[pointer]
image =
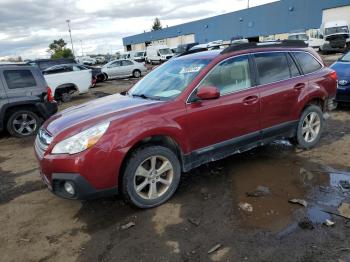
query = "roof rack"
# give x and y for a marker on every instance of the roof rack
(283, 43)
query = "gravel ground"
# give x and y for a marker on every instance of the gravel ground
(204, 214)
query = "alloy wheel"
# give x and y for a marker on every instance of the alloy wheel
(153, 177)
(24, 124)
(311, 127)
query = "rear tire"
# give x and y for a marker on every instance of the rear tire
(151, 176)
(65, 97)
(310, 127)
(23, 123)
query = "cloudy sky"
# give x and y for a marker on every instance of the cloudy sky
(29, 26)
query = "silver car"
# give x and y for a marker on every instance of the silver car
(123, 68)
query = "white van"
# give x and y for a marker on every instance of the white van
(158, 54)
(336, 36)
(312, 37)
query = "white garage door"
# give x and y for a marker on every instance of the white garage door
(336, 14)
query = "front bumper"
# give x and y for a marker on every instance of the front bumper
(83, 189)
(343, 94)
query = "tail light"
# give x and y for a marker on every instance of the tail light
(333, 75)
(50, 97)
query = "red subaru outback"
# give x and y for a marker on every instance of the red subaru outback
(193, 109)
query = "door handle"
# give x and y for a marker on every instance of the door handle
(250, 100)
(299, 86)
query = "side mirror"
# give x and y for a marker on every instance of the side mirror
(208, 92)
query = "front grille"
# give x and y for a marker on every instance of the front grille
(42, 142)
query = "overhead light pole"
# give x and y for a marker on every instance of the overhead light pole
(248, 4)
(70, 34)
(81, 44)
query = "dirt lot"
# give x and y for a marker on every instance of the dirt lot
(38, 226)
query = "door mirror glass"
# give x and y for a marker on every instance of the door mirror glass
(208, 92)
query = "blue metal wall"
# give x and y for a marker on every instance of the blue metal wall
(277, 17)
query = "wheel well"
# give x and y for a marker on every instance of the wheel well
(317, 102)
(68, 88)
(165, 141)
(15, 108)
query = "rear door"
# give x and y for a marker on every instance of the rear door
(20, 83)
(3, 95)
(127, 67)
(280, 85)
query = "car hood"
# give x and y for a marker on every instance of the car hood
(342, 69)
(96, 111)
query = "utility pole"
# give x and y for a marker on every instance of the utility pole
(248, 4)
(70, 34)
(81, 44)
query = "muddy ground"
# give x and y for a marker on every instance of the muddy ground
(38, 226)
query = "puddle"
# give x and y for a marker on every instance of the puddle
(286, 176)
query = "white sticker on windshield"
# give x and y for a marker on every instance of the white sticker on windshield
(192, 69)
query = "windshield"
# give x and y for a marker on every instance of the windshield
(169, 80)
(165, 51)
(137, 54)
(346, 58)
(302, 37)
(336, 30)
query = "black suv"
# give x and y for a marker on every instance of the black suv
(25, 99)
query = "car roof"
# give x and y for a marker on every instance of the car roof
(246, 48)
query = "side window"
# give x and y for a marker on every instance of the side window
(19, 79)
(307, 62)
(272, 67)
(76, 68)
(126, 63)
(294, 71)
(230, 76)
(115, 64)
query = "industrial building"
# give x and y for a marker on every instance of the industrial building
(270, 21)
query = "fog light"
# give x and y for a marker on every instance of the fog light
(69, 188)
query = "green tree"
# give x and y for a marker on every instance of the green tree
(58, 49)
(156, 24)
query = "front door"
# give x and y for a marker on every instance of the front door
(230, 121)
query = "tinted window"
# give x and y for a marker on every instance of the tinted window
(19, 79)
(272, 67)
(126, 63)
(294, 71)
(230, 76)
(307, 62)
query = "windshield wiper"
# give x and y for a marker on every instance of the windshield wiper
(145, 96)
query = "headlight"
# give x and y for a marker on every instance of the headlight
(81, 141)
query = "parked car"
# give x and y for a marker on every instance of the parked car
(342, 67)
(100, 59)
(46, 63)
(140, 56)
(180, 49)
(158, 54)
(25, 100)
(187, 112)
(123, 68)
(68, 79)
(86, 60)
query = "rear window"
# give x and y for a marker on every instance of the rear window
(272, 67)
(19, 79)
(307, 62)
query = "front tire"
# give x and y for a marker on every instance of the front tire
(151, 176)
(136, 74)
(310, 127)
(23, 123)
